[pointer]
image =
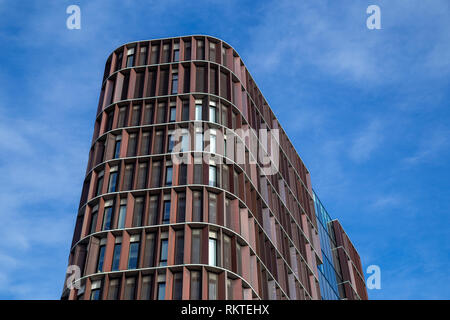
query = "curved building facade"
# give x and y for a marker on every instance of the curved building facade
(192, 189)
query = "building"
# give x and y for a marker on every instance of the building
(194, 191)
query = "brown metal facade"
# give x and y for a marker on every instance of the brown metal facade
(150, 228)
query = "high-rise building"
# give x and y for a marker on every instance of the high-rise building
(194, 191)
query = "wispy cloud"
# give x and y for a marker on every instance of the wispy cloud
(367, 141)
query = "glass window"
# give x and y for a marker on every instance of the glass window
(171, 143)
(161, 115)
(146, 290)
(212, 286)
(176, 52)
(226, 252)
(181, 214)
(108, 216)
(213, 176)
(130, 57)
(212, 51)
(174, 83)
(94, 215)
(119, 61)
(197, 207)
(184, 143)
(225, 116)
(128, 177)
(212, 249)
(198, 111)
(153, 210)
(132, 143)
(149, 253)
(133, 256)
(212, 114)
(148, 114)
(101, 258)
(161, 290)
(198, 173)
(142, 176)
(212, 208)
(200, 50)
(112, 186)
(114, 289)
(229, 289)
(212, 143)
(185, 111)
(196, 287)
(183, 174)
(166, 53)
(122, 216)
(156, 174)
(155, 54)
(166, 216)
(116, 257)
(163, 254)
(95, 294)
(196, 246)
(117, 147)
(187, 50)
(143, 56)
(130, 288)
(173, 113)
(158, 142)
(121, 122)
(198, 141)
(145, 143)
(138, 212)
(99, 183)
(177, 286)
(179, 247)
(168, 176)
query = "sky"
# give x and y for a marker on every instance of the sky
(367, 110)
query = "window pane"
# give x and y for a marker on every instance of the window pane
(114, 289)
(116, 257)
(196, 288)
(179, 247)
(133, 256)
(101, 258)
(168, 176)
(212, 176)
(212, 252)
(153, 210)
(163, 255)
(212, 208)
(130, 288)
(112, 182)
(107, 218)
(122, 216)
(212, 286)
(198, 112)
(196, 246)
(181, 214)
(146, 289)
(197, 206)
(161, 290)
(177, 286)
(166, 213)
(138, 211)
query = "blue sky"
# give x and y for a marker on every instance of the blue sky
(367, 110)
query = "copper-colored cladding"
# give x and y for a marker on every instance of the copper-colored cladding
(350, 264)
(271, 218)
